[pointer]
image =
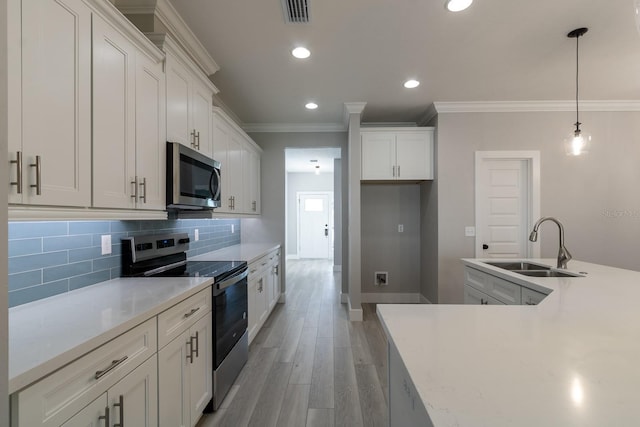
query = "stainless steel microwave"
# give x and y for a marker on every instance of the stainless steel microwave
(193, 179)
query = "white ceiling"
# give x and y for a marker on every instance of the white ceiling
(363, 50)
(300, 159)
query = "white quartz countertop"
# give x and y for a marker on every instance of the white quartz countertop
(248, 252)
(47, 334)
(572, 360)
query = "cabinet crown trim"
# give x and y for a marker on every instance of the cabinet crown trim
(534, 106)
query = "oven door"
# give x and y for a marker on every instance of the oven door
(230, 317)
(193, 180)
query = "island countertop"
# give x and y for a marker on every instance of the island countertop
(572, 360)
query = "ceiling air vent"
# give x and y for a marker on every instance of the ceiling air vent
(296, 11)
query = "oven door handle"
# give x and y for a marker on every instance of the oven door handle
(230, 281)
(164, 268)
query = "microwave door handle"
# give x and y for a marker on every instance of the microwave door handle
(215, 174)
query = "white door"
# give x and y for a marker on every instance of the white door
(506, 202)
(314, 227)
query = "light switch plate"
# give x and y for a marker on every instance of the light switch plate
(106, 244)
(469, 231)
(400, 228)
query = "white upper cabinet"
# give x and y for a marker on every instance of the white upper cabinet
(50, 117)
(128, 123)
(240, 166)
(189, 100)
(392, 154)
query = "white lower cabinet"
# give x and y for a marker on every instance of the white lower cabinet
(263, 290)
(58, 397)
(96, 414)
(405, 405)
(185, 368)
(485, 289)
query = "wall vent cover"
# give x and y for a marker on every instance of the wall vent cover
(296, 11)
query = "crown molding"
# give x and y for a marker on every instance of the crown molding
(294, 127)
(534, 106)
(172, 21)
(427, 116)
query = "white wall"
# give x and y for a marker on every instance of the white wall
(384, 207)
(596, 197)
(297, 182)
(4, 291)
(270, 226)
(337, 214)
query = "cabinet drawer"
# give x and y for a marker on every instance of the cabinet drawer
(477, 279)
(473, 296)
(181, 316)
(53, 400)
(531, 297)
(505, 291)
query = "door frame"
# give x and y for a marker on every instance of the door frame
(329, 195)
(532, 159)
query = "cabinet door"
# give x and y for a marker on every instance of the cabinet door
(135, 397)
(150, 134)
(114, 119)
(235, 172)
(90, 415)
(413, 156)
(178, 102)
(173, 382)
(261, 298)
(378, 156)
(251, 166)
(201, 368)
(201, 119)
(221, 136)
(56, 102)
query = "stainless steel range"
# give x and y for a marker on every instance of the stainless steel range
(164, 255)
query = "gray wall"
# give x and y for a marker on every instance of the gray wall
(595, 196)
(384, 206)
(337, 214)
(429, 230)
(297, 182)
(270, 226)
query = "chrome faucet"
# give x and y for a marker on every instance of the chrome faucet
(563, 254)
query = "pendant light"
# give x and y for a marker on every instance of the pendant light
(578, 142)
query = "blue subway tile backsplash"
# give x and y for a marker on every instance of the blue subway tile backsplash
(49, 258)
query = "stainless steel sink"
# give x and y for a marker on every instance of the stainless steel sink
(546, 273)
(518, 265)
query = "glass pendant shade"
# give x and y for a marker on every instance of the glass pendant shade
(577, 143)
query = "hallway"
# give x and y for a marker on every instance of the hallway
(310, 366)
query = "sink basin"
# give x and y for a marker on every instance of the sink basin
(518, 265)
(546, 273)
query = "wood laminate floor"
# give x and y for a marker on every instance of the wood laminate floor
(310, 366)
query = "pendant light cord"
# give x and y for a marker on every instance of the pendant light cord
(577, 65)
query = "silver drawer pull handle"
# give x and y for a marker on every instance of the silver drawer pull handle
(18, 181)
(105, 417)
(195, 351)
(191, 313)
(38, 184)
(143, 184)
(114, 363)
(135, 188)
(120, 405)
(190, 350)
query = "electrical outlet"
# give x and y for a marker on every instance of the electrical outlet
(381, 278)
(470, 231)
(106, 244)
(400, 228)
(196, 234)
(233, 228)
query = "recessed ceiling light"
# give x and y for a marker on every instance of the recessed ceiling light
(410, 84)
(458, 5)
(301, 52)
(311, 106)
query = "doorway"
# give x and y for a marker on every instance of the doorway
(315, 225)
(507, 203)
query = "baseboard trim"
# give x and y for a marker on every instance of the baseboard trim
(355, 314)
(337, 268)
(344, 298)
(283, 298)
(391, 298)
(423, 300)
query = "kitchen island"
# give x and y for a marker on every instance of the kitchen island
(569, 361)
